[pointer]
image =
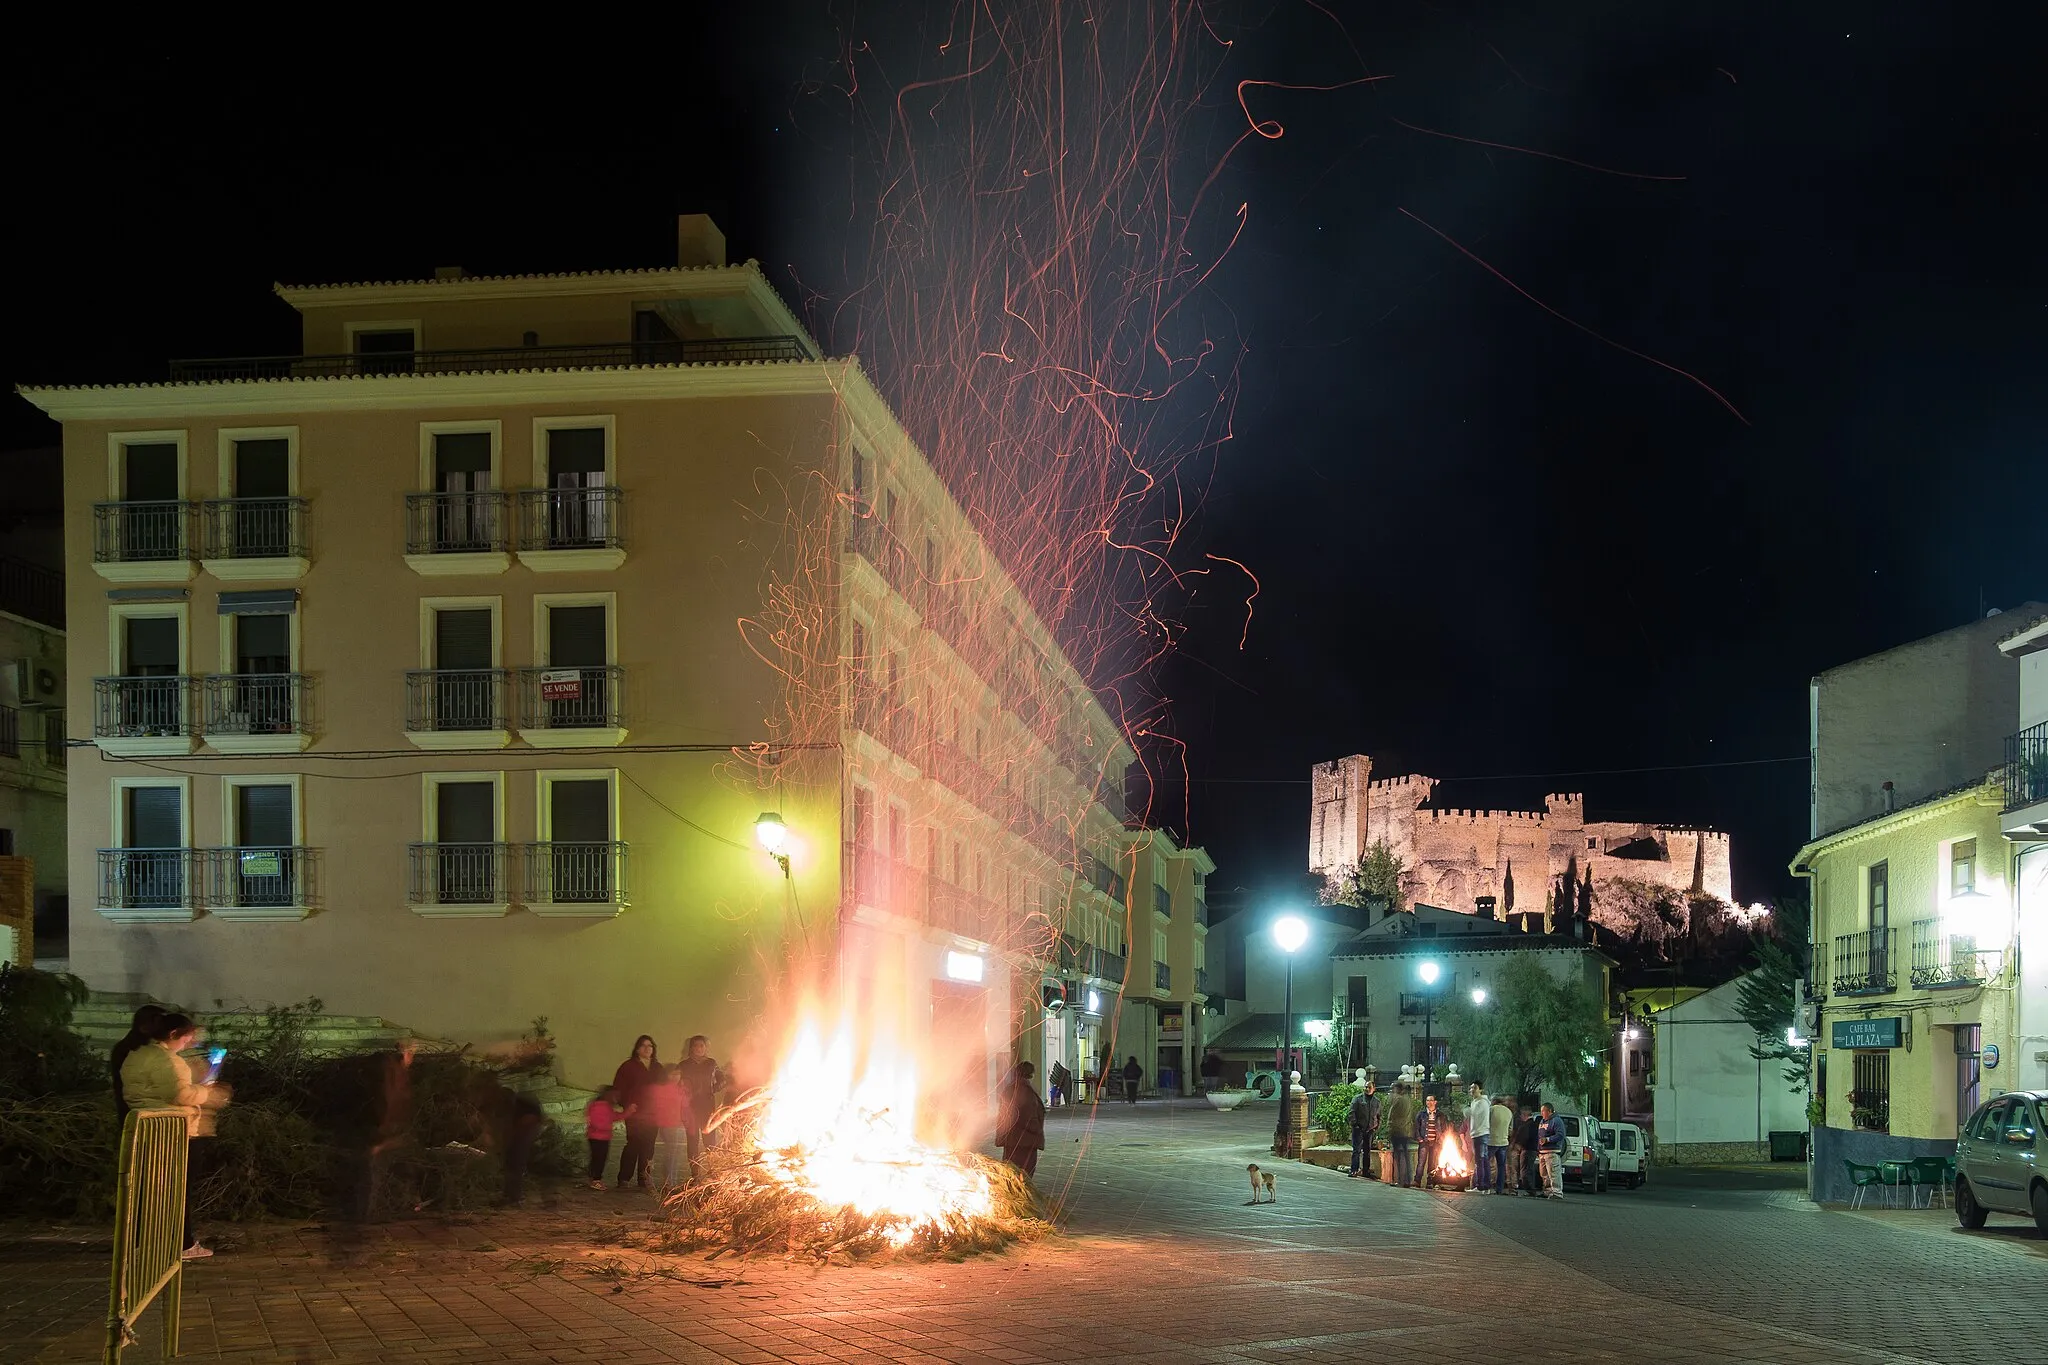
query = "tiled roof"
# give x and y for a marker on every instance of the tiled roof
(649, 271)
(381, 378)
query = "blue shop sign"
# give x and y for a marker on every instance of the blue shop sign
(1867, 1032)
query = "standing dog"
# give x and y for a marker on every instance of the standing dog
(1262, 1182)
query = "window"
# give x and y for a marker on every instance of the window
(1987, 1123)
(257, 516)
(1962, 867)
(460, 510)
(461, 861)
(576, 685)
(146, 519)
(1357, 999)
(459, 688)
(383, 347)
(148, 872)
(574, 502)
(1879, 897)
(147, 696)
(261, 865)
(1870, 1095)
(579, 861)
(254, 699)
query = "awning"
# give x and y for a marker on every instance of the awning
(267, 602)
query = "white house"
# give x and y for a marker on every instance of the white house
(1713, 1101)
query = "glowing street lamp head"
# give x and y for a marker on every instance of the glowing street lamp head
(1290, 932)
(1429, 972)
(771, 833)
(1479, 995)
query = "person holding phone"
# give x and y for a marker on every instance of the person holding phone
(157, 1076)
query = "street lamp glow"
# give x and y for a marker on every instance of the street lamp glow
(771, 833)
(1479, 995)
(1429, 972)
(1290, 932)
(1318, 1029)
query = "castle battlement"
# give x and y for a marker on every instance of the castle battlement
(1410, 779)
(1531, 817)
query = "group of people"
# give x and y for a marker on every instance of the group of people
(668, 1104)
(1511, 1147)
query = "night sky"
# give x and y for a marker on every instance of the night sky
(1491, 547)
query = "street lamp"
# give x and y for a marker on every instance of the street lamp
(1479, 995)
(1289, 932)
(773, 835)
(1428, 971)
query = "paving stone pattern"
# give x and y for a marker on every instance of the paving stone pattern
(1162, 1260)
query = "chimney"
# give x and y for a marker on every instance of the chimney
(449, 272)
(698, 240)
(1891, 798)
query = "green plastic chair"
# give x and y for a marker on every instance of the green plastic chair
(1938, 1174)
(1864, 1178)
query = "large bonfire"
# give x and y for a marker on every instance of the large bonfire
(825, 1162)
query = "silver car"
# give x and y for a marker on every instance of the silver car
(2002, 1160)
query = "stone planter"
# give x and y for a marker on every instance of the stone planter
(1227, 1100)
(1386, 1164)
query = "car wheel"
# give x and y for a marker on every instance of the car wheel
(1969, 1212)
(2041, 1207)
(1638, 1182)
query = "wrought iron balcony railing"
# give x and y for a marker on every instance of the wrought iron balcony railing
(455, 699)
(1162, 976)
(147, 878)
(129, 708)
(1162, 900)
(571, 518)
(455, 523)
(1944, 959)
(572, 698)
(1866, 963)
(255, 704)
(884, 882)
(254, 528)
(494, 359)
(32, 591)
(10, 732)
(254, 877)
(1202, 980)
(958, 909)
(458, 874)
(56, 749)
(141, 532)
(574, 873)
(2026, 767)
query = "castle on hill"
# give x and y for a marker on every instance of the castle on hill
(1456, 858)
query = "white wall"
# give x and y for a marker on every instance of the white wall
(2028, 1069)
(1709, 1089)
(1265, 968)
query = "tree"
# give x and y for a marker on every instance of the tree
(1768, 998)
(1377, 876)
(1533, 1030)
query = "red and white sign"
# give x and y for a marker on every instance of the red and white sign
(561, 684)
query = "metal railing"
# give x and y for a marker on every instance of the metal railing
(1162, 900)
(1866, 963)
(1201, 980)
(1941, 959)
(445, 699)
(1201, 911)
(1162, 976)
(884, 882)
(562, 873)
(1078, 955)
(31, 591)
(149, 1227)
(455, 523)
(254, 877)
(130, 708)
(572, 698)
(10, 732)
(570, 518)
(958, 909)
(56, 746)
(141, 532)
(458, 874)
(2026, 766)
(253, 528)
(254, 703)
(494, 359)
(146, 878)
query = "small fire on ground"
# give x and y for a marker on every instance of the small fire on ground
(1451, 1161)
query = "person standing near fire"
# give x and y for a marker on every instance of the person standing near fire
(1020, 1120)
(701, 1080)
(631, 1080)
(1479, 1125)
(1500, 1128)
(1430, 1126)
(1401, 1134)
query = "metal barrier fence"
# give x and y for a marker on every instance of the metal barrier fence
(149, 1227)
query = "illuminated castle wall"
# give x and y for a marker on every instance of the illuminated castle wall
(1455, 856)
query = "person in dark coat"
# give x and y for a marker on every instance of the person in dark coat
(1020, 1120)
(139, 1031)
(1430, 1127)
(1526, 1170)
(1134, 1075)
(1365, 1118)
(523, 1132)
(701, 1081)
(635, 1074)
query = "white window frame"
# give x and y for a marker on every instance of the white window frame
(229, 782)
(429, 430)
(118, 792)
(225, 637)
(544, 600)
(228, 437)
(545, 778)
(430, 605)
(117, 446)
(430, 807)
(119, 613)
(351, 330)
(543, 425)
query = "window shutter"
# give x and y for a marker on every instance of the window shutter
(152, 646)
(464, 813)
(263, 469)
(263, 816)
(579, 812)
(150, 473)
(576, 637)
(153, 817)
(263, 644)
(466, 453)
(575, 453)
(462, 639)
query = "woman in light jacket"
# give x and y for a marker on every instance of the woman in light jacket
(157, 1076)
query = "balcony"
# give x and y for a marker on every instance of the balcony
(147, 885)
(1201, 912)
(1201, 981)
(457, 708)
(31, 591)
(492, 359)
(255, 883)
(869, 538)
(575, 880)
(1078, 956)
(1162, 901)
(959, 911)
(572, 708)
(571, 530)
(143, 717)
(142, 542)
(457, 533)
(56, 744)
(458, 881)
(255, 713)
(1162, 977)
(1941, 960)
(1866, 963)
(254, 538)
(10, 732)
(2026, 783)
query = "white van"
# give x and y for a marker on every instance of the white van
(1585, 1159)
(1627, 1152)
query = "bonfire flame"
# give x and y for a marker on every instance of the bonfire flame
(1450, 1159)
(846, 1136)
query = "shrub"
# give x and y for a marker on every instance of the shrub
(57, 1156)
(267, 1161)
(39, 1054)
(1333, 1111)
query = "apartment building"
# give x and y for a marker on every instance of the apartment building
(33, 859)
(445, 670)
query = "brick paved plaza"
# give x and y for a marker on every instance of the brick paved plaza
(1161, 1261)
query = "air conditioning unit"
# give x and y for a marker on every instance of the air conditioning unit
(34, 683)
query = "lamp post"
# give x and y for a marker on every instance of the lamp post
(1289, 932)
(773, 836)
(1428, 971)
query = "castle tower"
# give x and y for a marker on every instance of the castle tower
(1336, 830)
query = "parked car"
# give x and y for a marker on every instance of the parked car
(1585, 1160)
(1628, 1153)
(2002, 1160)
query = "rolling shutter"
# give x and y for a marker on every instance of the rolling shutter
(576, 637)
(462, 639)
(154, 817)
(263, 816)
(464, 813)
(580, 812)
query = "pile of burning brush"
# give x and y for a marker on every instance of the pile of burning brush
(806, 1168)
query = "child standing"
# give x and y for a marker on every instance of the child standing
(598, 1117)
(662, 1103)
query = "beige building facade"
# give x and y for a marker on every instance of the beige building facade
(444, 672)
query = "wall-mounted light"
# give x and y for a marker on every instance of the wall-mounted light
(1094, 1003)
(773, 836)
(964, 966)
(1479, 995)
(1318, 1029)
